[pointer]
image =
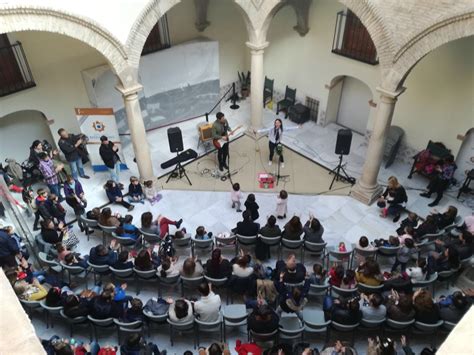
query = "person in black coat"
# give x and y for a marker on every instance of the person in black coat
(75, 306)
(101, 255)
(8, 249)
(453, 308)
(347, 312)
(293, 272)
(108, 152)
(50, 233)
(123, 262)
(247, 227)
(392, 199)
(104, 306)
(252, 206)
(70, 146)
(263, 319)
(217, 267)
(426, 311)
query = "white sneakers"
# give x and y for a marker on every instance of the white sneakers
(269, 163)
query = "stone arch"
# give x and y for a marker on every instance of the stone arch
(143, 25)
(373, 21)
(445, 31)
(77, 27)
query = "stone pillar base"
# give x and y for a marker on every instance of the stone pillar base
(366, 195)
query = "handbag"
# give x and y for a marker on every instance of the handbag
(70, 239)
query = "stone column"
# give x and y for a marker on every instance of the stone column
(256, 83)
(366, 189)
(137, 130)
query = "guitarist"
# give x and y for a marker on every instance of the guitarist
(220, 129)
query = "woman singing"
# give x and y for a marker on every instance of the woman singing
(275, 134)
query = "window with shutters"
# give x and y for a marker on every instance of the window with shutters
(351, 39)
(159, 37)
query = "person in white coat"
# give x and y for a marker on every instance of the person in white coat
(282, 204)
(275, 135)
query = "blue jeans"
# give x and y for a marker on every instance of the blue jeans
(76, 166)
(115, 172)
(55, 189)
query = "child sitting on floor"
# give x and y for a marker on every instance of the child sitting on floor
(135, 191)
(151, 193)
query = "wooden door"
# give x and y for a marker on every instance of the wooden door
(357, 42)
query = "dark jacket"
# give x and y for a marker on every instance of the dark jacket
(223, 270)
(429, 317)
(55, 210)
(108, 155)
(77, 190)
(101, 309)
(108, 259)
(311, 235)
(81, 310)
(135, 190)
(453, 314)
(247, 228)
(260, 326)
(290, 234)
(113, 193)
(399, 195)
(291, 276)
(342, 315)
(123, 266)
(425, 228)
(8, 245)
(406, 223)
(51, 235)
(270, 232)
(252, 207)
(68, 147)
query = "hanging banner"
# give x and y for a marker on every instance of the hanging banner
(95, 123)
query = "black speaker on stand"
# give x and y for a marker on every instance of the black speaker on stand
(175, 140)
(343, 147)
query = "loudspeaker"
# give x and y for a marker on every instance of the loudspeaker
(343, 142)
(175, 139)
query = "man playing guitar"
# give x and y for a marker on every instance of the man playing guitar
(220, 130)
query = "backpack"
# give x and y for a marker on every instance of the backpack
(157, 307)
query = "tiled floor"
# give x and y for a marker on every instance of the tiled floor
(343, 218)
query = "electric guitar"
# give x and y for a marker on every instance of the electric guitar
(218, 143)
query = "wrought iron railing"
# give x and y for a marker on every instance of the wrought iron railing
(15, 73)
(159, 37)
(351, 39)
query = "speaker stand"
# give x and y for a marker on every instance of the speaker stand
(178, 172)
(340, 174)
(278, 176)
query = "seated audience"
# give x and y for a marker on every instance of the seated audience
(181, 311)
(103, 306)
(318, 277)
(369, 273)
(346, 312)
(294, 272)
(8, 250)
(114, 194)
(263, 319)
(404, 254)
(72, 259)
(362, 244)
(446, 218)
(372, 307)
(135, 344)
(102, 255)
(409, 234)
(453, 307)
(145, 261)
(128, 229)
(192, 268)
(400, 307)
(202, 234)
(426, 311)
(313, 231)
(208, 306)
(93, 214)
(241, 266)
(410, 221)
(76, 306)
(447, 260)
(271, 229)
(293, 229)
(336, 274)
(429, 226)
(134, 312)
(33, 291)
(463, 244)
(168, 267)
(123, 262)
(247, 227)
(294, 300)
(217, 267)
(107, 219)
(349, 280)
(148, 225)
(418, 272)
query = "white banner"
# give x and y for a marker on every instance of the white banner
(94, 123)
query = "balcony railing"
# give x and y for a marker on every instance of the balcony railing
(351, 39)
(15, 73)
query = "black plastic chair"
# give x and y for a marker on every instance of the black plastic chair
(268, 91)
(287, 102)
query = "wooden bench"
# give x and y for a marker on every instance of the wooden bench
(438, 152)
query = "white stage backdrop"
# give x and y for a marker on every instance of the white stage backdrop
(94, 123)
